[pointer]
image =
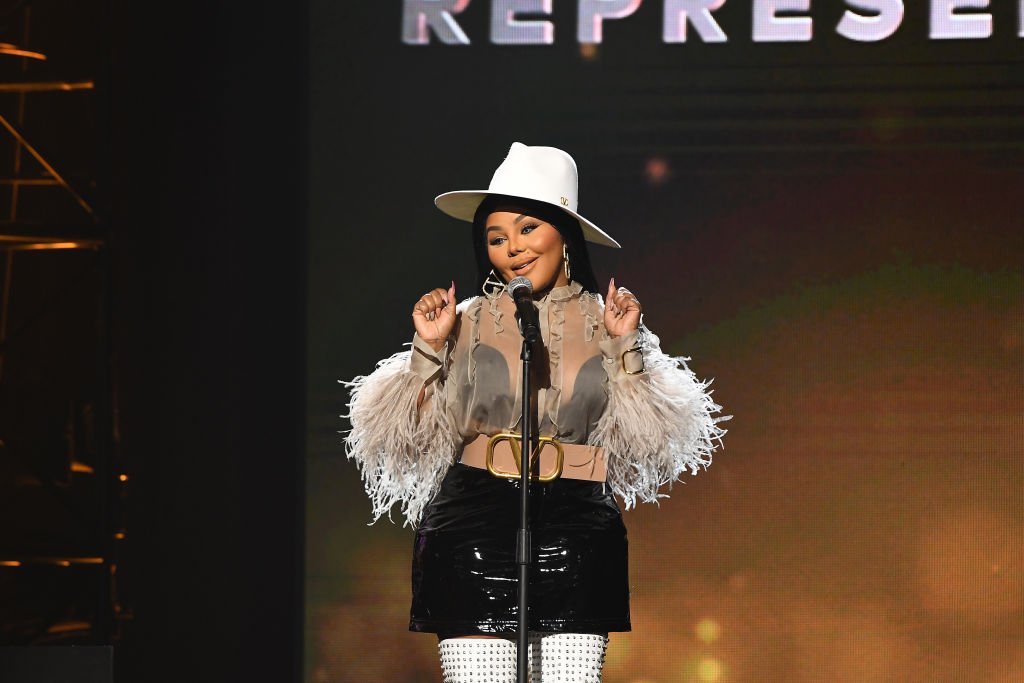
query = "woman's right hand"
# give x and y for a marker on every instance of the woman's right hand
(434, 316)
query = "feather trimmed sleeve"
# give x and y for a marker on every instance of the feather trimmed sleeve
(402, 444)
(660, 419)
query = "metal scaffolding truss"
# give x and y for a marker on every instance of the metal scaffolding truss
(57, 226)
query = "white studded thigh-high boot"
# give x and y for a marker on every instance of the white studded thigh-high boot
(477, 660)
(572, 658)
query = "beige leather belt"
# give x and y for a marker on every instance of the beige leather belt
(500, 455)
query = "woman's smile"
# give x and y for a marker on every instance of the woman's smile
(524, 267)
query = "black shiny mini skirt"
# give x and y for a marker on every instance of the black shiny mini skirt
(465, 580)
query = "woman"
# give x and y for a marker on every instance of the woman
(626, 417)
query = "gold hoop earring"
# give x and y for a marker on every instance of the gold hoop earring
(565, 263)
(492, 286)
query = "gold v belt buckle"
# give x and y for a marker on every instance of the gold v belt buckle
(513, 440)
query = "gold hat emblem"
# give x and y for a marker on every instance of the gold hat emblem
(565, 201)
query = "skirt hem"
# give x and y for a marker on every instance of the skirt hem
(510, 628)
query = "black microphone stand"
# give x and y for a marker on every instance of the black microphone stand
(523, 550)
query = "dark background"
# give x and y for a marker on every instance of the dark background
(205, 164)
(182, 334)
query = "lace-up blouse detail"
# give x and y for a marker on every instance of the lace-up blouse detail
(653, 424)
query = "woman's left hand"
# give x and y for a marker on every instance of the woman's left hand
(621, 310)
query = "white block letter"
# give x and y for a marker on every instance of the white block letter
(505, 30)
(769, 28)
(887, 18)
(593, 12)
(418, 16)
(948, 25)
(699, 14)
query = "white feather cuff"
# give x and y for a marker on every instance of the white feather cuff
(658, 424)
(402, 451)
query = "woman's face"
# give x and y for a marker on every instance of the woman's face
(518, 244)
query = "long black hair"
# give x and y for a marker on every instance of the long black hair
(567, 226)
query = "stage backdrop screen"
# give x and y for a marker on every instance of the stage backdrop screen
(819, 204)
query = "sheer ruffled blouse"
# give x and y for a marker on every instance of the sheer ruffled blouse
(647, 410)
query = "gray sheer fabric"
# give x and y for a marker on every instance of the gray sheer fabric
(483, 374)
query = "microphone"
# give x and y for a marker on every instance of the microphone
(521, 291)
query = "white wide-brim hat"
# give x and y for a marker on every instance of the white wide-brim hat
(543, 174)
